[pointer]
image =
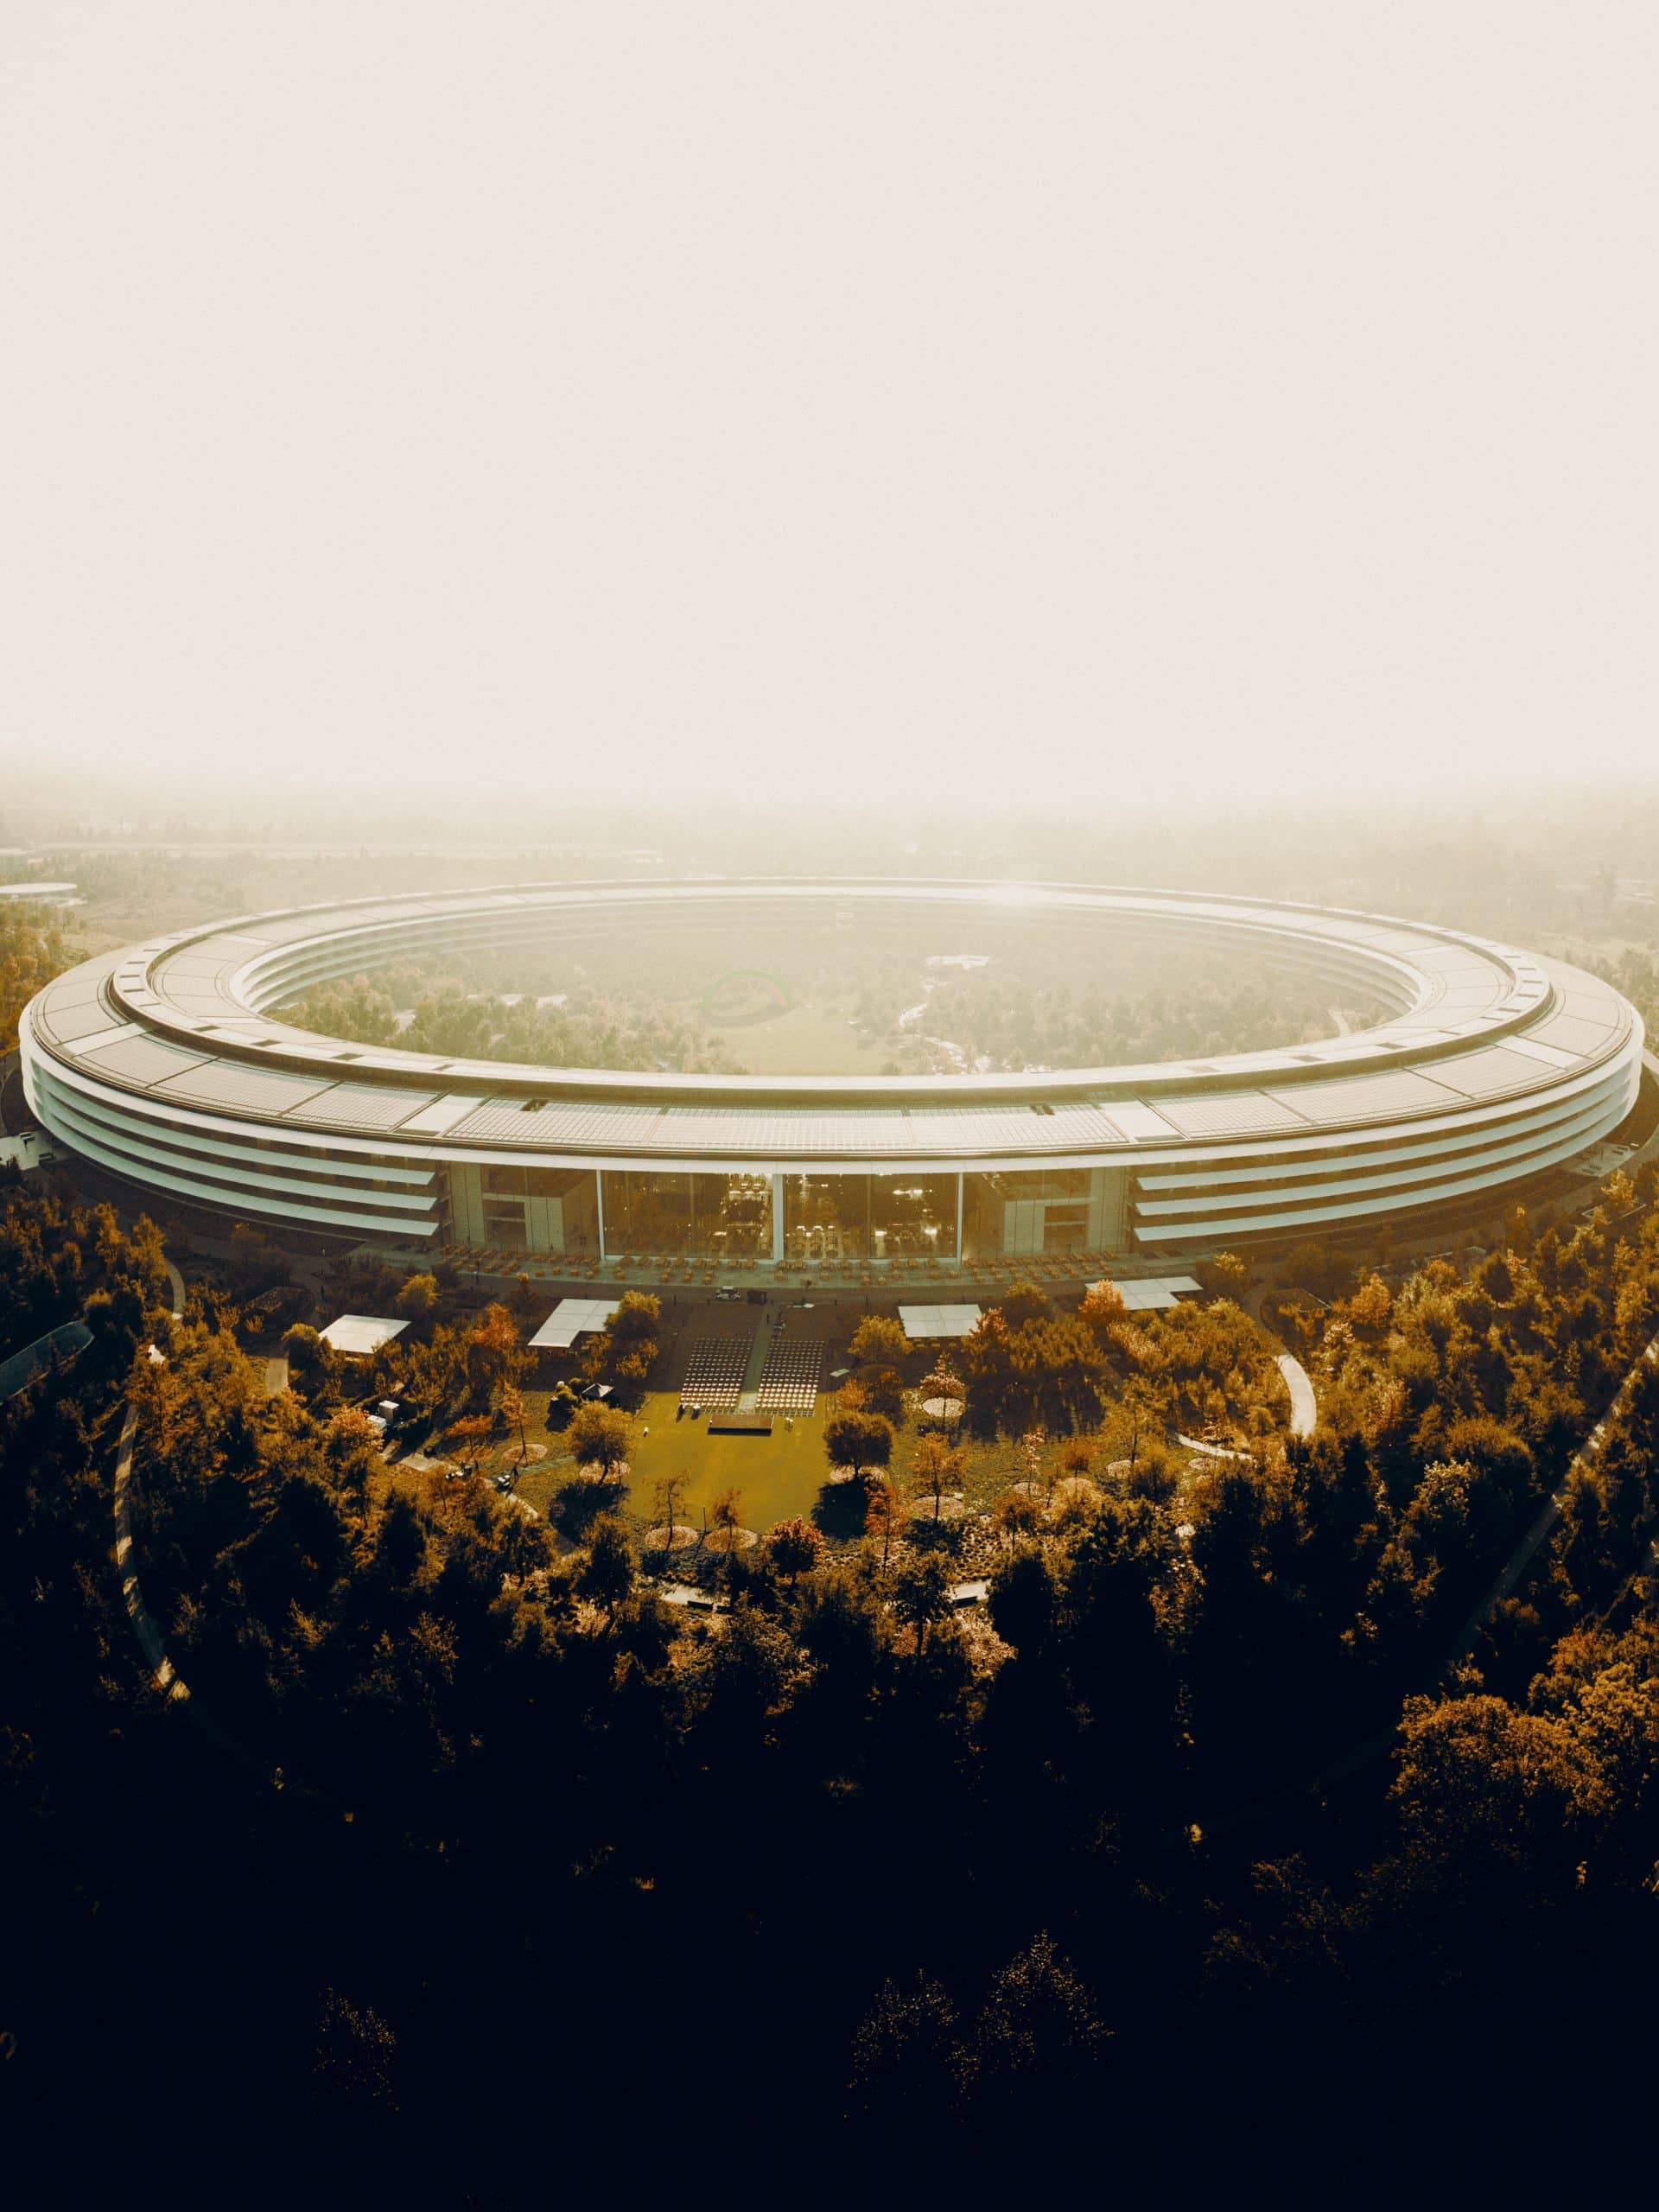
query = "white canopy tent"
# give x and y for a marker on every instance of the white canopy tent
(1152, 1293)
(359, 1336)
(570, 1318)
(922, 1323)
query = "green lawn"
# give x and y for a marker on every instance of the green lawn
(806, 1041)
(776, 1476)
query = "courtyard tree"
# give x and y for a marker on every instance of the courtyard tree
(1060, 1367)
(858, 1442)
(941, 1385)
(257, 1264)
(667, 1493)
(492, 1354)
(794, 1547)
(1372, 1306)
(884, 1515)
(884, 1392)
(904, 2055)
(1023, 1302)
(988, 1359)
(1225, 1276)
(512, 1413)
(1016, 1513)
(606, 1576)
(600, 1437)
(306, 1351)
(935, 1467)
(434, 1374)
(417, 1301)
(921, 1593)
(1102, 1310)
(727, 1522)
(879, 1341)
(624, 1351)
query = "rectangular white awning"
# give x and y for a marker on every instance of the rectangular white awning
(925, 1322)
(1152, 1293)
(570, 1318)
(359, 1336)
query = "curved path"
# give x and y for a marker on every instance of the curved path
(1508, 1575)
(1304, 1406)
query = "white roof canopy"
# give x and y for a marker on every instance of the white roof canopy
(1152, 1293)
(570, 1318)
(927, 1321)
(360, 1335)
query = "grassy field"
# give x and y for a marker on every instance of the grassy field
(806, 1041)
(776, 1476)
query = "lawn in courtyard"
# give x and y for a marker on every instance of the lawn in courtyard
(776, 1477)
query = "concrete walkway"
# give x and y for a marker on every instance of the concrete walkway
(748, 1398)
(1304, 1406)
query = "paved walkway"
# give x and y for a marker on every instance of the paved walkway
(1304, 1406)
(748, 1398)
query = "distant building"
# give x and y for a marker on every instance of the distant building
(40, 894)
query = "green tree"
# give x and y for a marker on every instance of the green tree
(600, 1437)
(1023, 1303)
(858, 1440)
(606, 1576)
(879, 1341)
(666, 1493)
(794, 1547)
(1225, 1276)
(727, 1522)
(934, 1467)
(884, 1514)
(624, 1351)
(1037, 2038)
(493, 1353)
(904, 2056)
(417, 1300)
(921, 1593)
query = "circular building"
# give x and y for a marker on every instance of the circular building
(1488, 1067)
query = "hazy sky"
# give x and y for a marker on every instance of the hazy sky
(741, 396)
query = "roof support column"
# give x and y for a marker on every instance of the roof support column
(777, 1220)
(961, 1180)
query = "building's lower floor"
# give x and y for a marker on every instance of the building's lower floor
(790, 1220)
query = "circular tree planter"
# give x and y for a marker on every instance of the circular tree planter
(679, 1538)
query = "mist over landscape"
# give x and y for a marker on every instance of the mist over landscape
(828, 1112)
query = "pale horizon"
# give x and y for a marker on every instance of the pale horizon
(1080, 408)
